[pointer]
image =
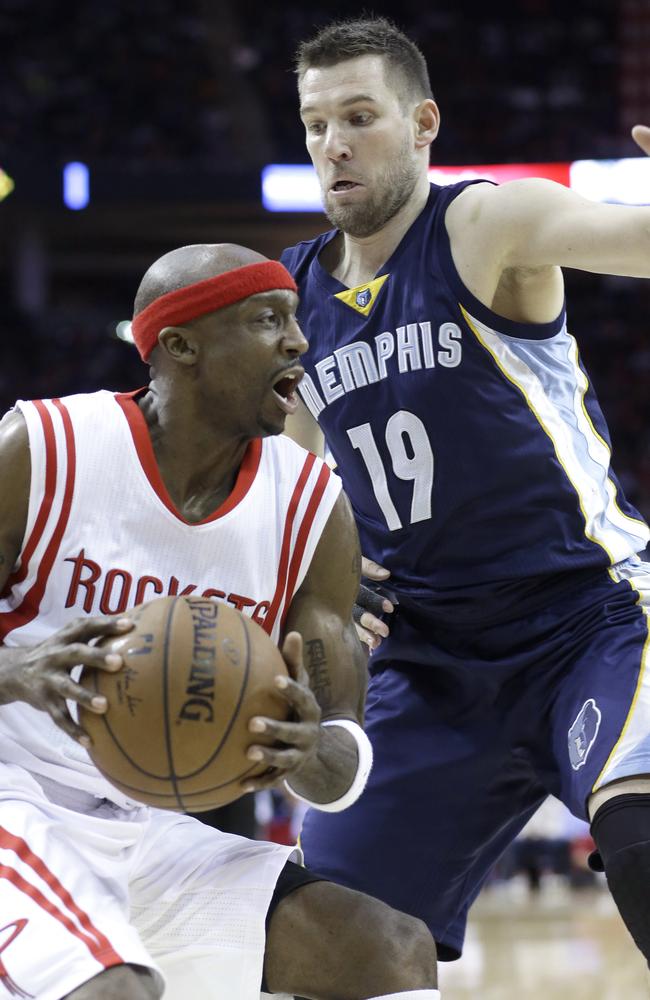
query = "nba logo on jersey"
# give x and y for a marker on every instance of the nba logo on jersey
(363, 298)
(583, 732)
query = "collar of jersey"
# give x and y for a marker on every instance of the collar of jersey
(144, 450)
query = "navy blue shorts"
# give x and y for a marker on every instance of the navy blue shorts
(473, 724)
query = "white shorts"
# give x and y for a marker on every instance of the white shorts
(86, 885)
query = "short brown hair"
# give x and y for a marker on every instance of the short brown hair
(348, 39)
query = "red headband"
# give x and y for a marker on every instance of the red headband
(204, 297)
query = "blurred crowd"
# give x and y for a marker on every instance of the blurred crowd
(150, 84)
(505, 74)
(110, 81)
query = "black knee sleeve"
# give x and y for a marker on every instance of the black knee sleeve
(621, 830)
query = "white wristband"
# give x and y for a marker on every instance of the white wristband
(364, 766)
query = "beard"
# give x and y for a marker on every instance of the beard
(391, 191)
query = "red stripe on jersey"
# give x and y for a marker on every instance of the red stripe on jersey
(303, 535)
(97, 943)
(46, 502)
(269, 620)
(28, 608)
(144, 449)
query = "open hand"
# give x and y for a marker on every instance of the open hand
(40, 675)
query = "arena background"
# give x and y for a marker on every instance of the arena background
(175, 107)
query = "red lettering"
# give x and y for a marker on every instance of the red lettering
(105, 603)
(211, 592)
(88, 582)
(260, 612)
(143, 583)
(240, 602)
(172, 590)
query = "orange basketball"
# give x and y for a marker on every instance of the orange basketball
(175, 734)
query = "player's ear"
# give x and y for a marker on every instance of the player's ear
(179, 343)
(427, 122)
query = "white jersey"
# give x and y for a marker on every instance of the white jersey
(103, 535)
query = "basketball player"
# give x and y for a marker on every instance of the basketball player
(185, 486)
(477, 461)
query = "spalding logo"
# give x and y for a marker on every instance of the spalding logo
(583, 733)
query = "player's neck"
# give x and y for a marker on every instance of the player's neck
(198, 466)
(355, 260)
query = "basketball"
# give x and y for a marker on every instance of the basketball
(175, 733)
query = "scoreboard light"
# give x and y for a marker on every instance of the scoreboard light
(295, 187)
(76, 185)
(623, 182)
(290, 188)
(6, 184)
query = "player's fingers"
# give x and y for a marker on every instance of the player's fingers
(373, 570)
(293, 733)
(76, 653)
(369, 600)
(370, 639)
(66, 688)
(641, 135)
(283, 760)
(64, 721)
(292, 655)
(300, 697)
(268, 779)
(85, 629)
(374, 625)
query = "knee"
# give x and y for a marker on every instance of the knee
(406, 944)
(118, 982)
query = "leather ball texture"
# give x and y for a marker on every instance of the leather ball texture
(175, 734)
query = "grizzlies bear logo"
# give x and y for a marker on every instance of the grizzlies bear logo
(583, 732)
(364, 297)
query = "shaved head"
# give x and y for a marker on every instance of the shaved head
(187, 265)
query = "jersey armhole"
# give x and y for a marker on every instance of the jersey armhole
(468, 302)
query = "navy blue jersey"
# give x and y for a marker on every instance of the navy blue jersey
(472, 448)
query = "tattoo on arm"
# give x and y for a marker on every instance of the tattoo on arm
(319, 676)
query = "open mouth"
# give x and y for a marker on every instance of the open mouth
(344, 186)
(284, 390)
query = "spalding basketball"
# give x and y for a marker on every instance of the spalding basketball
(175, 734)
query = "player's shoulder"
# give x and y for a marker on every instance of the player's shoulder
(282, 447)
(285, 458)
(297, 258)
(14, 436)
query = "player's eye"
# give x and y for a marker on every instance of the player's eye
(315, 128)
(269, 319)
(361, 118)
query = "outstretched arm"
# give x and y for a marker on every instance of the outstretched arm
(328, 666)
(530, 227)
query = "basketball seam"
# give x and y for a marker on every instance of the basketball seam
(233, 718)
(165, 678)
(188, 795)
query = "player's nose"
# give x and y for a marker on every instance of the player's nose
(336, 146)
(295, 341)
